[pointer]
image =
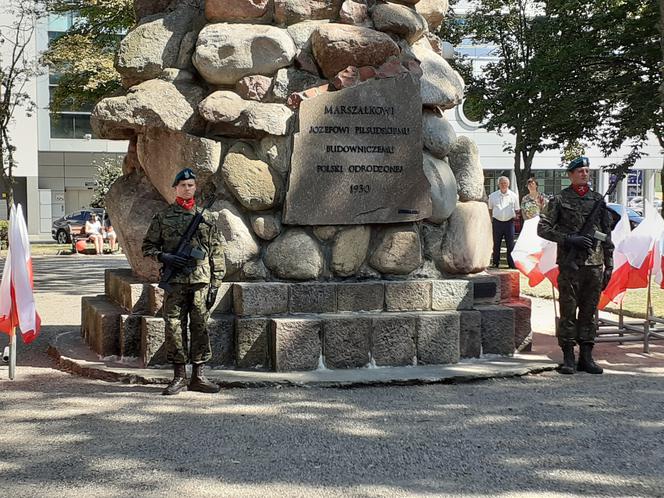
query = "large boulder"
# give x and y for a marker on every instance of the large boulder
(302, 31)
(238, 10)
(399, 20)
(240, 244)
(152, 104)
(266, 226)
(350, 250)
(144, 8)
(355, 12)
(464, 248)
(397, 250)
(433, 11)
(443, 188)
(440, 84)
(162, 153)
(155, 44)
(295, 255)
(225, 53)
(292, 80)
(250, 180)
(131, 202)
(464, 158)
(438, 134)
(337, 46)
(295, 11)
(233, 116)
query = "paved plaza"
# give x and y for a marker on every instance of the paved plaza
(536, 435)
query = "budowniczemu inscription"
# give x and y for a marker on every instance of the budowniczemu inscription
(357, 157)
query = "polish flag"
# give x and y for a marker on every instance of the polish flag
(17, 304)
(636, 254)
(534, 256)
(658, 267)
(614, 292)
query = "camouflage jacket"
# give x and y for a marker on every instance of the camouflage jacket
(164, 233)
(565, 214)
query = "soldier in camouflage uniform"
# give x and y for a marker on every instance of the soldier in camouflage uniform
(194, 292)
(579, 288)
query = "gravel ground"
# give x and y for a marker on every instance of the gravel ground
(543, 435)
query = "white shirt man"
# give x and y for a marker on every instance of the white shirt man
(504, 208)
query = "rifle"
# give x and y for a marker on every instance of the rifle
(185, 249)
(588, 225)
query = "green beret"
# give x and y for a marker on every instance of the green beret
(579, 162)
(185, 174)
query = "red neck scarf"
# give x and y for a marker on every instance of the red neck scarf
(186, 204)
(581, 189)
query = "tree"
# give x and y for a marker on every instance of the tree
(83, 57)
(109, 169)
(18, 65)
(516, 93)
(570, 71)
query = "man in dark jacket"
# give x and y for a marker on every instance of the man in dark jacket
(582, 278)
(194, 284)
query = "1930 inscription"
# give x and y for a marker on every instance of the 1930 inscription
(355, 162)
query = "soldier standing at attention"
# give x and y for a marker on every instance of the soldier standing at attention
(194, 285)
(579, 287)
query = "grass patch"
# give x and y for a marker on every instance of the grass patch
(634, 304)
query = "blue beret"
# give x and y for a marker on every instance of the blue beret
(185, 174)
(579, 162)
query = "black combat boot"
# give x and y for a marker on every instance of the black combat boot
(200, 383)
(586, 362)
(179, 381)
(568, 359)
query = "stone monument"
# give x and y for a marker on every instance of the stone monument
(353, 216)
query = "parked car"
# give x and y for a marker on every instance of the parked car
(634, 217)
(62, 228)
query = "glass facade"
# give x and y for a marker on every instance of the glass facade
(67, 123)
(549, 181)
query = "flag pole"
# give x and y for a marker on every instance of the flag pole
(555, 309)
(646, 324)
(12, 354)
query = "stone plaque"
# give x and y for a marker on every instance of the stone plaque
(357, 157)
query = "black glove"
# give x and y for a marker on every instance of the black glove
(578, 241)
(211, 297)
(606, 276)
(172, 260)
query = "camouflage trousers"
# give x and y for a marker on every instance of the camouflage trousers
(185, 315)
(578, 290)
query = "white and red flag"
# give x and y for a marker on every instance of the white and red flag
(658, 262)
(534, 256)
(636, 254)
(17, 303)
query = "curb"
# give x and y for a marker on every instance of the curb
(72, 356)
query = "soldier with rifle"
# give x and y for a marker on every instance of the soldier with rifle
(578, 220)
(185, 240)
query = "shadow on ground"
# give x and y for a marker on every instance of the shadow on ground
(545, 434)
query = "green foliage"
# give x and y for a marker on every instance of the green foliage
(4, 234)
(569, 71)
(83, 58)
(109, 169)
(18, 68)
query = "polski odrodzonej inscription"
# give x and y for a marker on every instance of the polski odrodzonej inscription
(357, 157)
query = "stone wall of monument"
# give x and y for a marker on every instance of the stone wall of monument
(316, 123)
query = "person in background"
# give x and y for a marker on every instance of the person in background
(503, 208)
(93, 232)
(533, 202)
(110, 235)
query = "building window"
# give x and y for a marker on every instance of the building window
(70, 125)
